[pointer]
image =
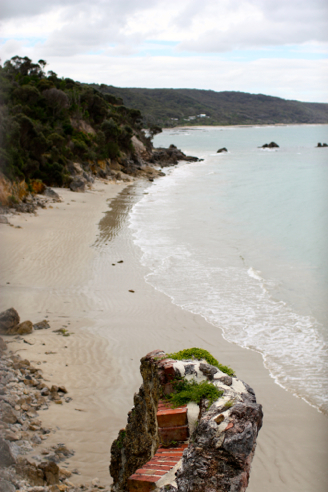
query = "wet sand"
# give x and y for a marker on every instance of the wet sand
(60, 265)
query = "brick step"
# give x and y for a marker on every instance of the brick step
(147, 478)
(172, 423)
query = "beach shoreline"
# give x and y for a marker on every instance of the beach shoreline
(63, 264)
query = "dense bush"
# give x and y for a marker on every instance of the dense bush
(39, 117)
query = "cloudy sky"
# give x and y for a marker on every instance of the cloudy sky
(275, 47)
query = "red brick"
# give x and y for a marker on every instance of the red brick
(136, 485)
(169, 434)
(172, 417)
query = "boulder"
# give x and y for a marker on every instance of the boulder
(322, 145)
(78, 184)
(52, 194)
(24, 328)
(30, 471)
(42, 325)
(222, 150)
(8, 414)
(50, 472)
(6, 457)
(3, 220)
(8, 319)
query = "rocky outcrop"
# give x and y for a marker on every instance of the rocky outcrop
(322, 145)
(138, 442)
(218, 455)
(170, 156)
(222, 150)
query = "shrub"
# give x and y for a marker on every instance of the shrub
(187, 391)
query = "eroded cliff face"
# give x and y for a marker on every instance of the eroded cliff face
(222, 441)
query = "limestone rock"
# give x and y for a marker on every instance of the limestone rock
(24, 328)
(8, 319)
(6, 456)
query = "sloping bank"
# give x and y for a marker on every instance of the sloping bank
(213, 452)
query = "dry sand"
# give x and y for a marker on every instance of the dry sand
(59, 265)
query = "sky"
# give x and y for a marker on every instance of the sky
(274, 47)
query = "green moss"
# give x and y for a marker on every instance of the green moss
(200, 354)
(229, 404)
(187, 391)
(120, 439)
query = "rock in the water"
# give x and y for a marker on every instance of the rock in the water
(6, 457)
(78, 184)
(24, 328)
(322, 145)
(8, 319)
(222, 150)
(42, 325)
(271, 145)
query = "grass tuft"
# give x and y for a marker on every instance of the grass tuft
(199, 354)
(187, 391)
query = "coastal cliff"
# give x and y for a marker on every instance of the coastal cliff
(58, 132)
(215, 448)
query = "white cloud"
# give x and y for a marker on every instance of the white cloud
(66, 32)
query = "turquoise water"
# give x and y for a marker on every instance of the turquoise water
(241, 238)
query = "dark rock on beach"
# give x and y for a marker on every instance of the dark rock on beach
(52, 194)
(24, 328)
(78, 184)
(8, 320)
(42, 325)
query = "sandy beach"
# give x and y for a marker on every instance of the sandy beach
(62, 265)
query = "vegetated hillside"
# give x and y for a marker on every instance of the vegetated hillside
(47, 122)
(173, 107)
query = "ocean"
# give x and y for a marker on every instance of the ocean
(241, 239)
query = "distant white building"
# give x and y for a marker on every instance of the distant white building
(203, 115)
